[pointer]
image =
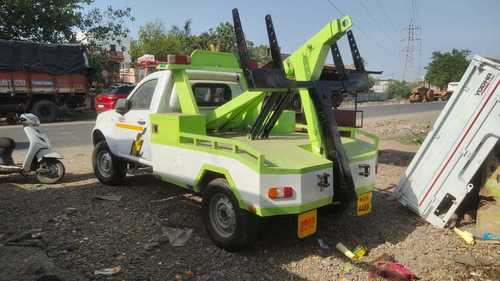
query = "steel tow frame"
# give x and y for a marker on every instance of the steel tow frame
(279, 86)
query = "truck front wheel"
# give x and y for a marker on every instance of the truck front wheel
(228, 226)
(46, 110)
(108, 168)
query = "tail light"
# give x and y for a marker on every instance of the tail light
(282, 192)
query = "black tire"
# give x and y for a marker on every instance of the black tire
(115, 169)
(50, 171)
(46, 110)
(245, 226)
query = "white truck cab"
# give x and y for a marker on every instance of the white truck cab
(156, 94)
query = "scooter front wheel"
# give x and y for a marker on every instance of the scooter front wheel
(50, 171)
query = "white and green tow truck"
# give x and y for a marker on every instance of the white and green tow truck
(217, 127)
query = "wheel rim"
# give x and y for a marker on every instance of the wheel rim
(222, 215)
(105, 163)
(50, 171)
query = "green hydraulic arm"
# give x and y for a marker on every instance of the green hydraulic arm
(306, 64)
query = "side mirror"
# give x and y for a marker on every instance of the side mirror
(122, 106)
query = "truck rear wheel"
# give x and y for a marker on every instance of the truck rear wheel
(46, 110)
(108, 168)
(228, 226)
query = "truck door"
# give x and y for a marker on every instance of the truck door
(133, 127)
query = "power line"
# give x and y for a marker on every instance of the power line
(413, 43)
(386, 16)
(373, 39)
(370, 15)
(387, 50)
(336, 8)
(414, 9)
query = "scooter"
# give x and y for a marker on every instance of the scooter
(40, 158)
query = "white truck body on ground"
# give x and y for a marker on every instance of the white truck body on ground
(439, 176)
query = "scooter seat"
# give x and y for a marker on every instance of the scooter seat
(7, 145)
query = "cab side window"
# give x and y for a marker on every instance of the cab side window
(211, 94)
(142, 97)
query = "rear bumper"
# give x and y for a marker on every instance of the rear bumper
(292, 210)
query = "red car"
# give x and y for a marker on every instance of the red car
(106, 100)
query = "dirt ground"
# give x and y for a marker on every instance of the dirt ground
(63, 232)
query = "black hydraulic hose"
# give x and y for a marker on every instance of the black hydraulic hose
(263, 115)
(284, 102)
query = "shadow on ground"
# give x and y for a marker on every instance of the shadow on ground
(395, 157)
(81, 233)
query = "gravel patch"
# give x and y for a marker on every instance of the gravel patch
(78, 234)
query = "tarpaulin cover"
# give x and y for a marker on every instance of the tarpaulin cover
(47, 58)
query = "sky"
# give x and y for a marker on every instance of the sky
(378, 25)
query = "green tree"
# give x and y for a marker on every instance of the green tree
(183, 36)
(224, 37)
(447, 67)
(156, 40)
(399, 89)
(59, 21)
(371, 81)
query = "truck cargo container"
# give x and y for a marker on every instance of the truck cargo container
(42, 78)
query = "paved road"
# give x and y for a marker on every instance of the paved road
(64, 134)
(375, 111)
(71, 134)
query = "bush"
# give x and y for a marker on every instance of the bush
(399, 89)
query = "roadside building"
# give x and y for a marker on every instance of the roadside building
(117, 52)
(381, 86)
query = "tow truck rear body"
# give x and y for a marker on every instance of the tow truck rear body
(217, 127)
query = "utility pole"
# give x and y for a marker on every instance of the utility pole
(412, 44)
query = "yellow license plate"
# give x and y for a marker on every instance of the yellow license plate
(364, 205)
(307, 223)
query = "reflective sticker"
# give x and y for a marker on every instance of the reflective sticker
(130, 127)
(307, 224)
(136, 148)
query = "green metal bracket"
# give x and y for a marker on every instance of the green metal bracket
(306, 64)
(184, 92)
(230, 110)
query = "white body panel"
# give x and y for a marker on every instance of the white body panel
(461, 138)
(183, 165)
(360, 181)
(39, 145)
